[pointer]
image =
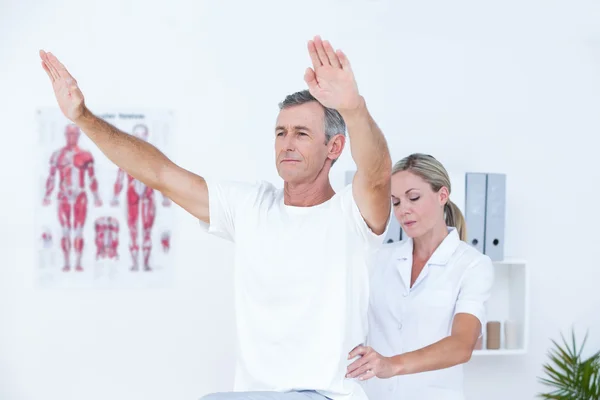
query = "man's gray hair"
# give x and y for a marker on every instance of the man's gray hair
(334, 123)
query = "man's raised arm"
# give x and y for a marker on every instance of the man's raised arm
(135, 156)
(372, 181)
(331, 81)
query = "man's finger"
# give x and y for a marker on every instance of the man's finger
(314, 57)
(55, 61)
(60, 68)
(321, 51)
(311, 79)
(48, 65)
(333, 58)
(343, 60)
(48, 72)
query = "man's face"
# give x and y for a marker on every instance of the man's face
(300, 144)
(72, 135)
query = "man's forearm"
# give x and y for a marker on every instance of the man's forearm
(445, 353)
(135, 156)
(368, 146)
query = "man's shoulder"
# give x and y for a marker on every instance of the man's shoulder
(239, 191)
(261, 190)
(256, 186)
(345, 197)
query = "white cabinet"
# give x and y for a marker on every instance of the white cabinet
(509, 301)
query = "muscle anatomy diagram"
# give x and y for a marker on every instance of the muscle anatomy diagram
(96, 225)
(75, 169)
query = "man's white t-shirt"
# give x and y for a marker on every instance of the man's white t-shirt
(301, 286)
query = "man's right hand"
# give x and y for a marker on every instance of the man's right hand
(136, 157)
(69, 96)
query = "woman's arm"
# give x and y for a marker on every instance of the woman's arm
(450, 351)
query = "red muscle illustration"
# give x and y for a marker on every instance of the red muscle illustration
(73, 165)
(165, 240)
(140, 205)
(107, 238)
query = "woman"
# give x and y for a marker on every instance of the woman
(428, 294)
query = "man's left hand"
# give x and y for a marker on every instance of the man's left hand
(331, 80)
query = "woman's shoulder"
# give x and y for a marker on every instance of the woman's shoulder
(469, 256)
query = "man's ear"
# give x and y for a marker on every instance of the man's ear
(336, 146)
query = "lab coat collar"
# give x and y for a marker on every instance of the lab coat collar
(440, 256)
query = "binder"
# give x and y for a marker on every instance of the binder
(475, 209)
(495, 216)
(394, 233)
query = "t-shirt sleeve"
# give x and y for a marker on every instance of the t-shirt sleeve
(359, 223)
(476, 289)
(227, 200)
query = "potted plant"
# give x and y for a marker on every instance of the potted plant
(569, 374)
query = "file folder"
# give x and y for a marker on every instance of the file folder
(475, 208)
(495, 216)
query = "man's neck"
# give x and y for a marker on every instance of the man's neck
(307, 194)
(424, 246)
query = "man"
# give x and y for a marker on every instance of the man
(72, 164)
(301, 279)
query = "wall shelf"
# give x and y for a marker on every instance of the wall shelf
(509, 301)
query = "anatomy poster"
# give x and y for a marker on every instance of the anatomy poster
(96, 226)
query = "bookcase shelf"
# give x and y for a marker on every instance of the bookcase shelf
(509, 301)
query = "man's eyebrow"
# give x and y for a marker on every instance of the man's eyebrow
(297, 128)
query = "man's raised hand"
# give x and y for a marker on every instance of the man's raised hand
(331, 80)
(68, 95)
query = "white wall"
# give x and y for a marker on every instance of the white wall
(513, 85)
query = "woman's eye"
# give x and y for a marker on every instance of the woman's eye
(415, 198)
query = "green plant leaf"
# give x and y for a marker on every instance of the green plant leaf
(568, 375)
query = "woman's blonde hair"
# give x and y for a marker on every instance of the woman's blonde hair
(434, 173)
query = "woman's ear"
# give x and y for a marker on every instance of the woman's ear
(444, 195)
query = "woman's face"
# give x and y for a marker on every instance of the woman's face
(416, 206)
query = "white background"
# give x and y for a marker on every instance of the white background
(510, 86)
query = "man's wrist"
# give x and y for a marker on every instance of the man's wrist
(355, 111)
(84, 118)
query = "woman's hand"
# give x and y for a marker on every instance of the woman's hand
(370, 364)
